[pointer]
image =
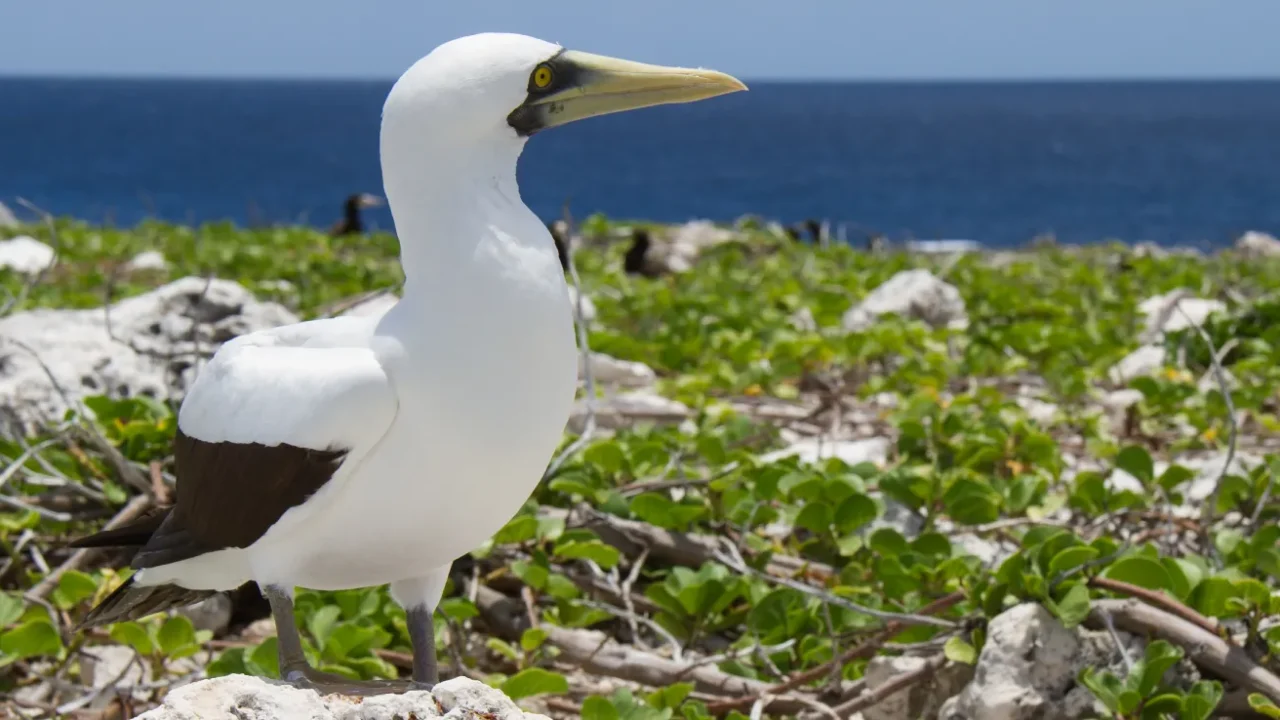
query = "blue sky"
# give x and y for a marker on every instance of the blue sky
(759, 39)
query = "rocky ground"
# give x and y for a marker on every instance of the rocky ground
(800, 481)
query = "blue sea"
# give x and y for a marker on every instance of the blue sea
(1179, 163)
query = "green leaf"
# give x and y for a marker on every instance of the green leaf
(264, 660)
(177, 637)
(1159, 657)
(888, 542)
(854, 512)
(1070, 558)
(30, 639)
(321, 623)
(606, 556)
(518, 530)
(73, 588)
(534, 681)
(1073, 608)
(532, 639)
(11, 606)
(1211, 596)
(133, 635)
(816, 516)
(1137, 462)
(456, 609)
(607, 456)
(958, 650)
(230, 662)
(1262, 704)
(598, 708)
(1141, 571)
(1165, 705)
(1200, 702)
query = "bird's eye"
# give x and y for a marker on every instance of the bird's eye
(543, 76)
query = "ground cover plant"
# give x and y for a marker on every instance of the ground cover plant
(683, 566)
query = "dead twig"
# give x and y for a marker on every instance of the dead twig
(1158, 599)
(898, 683)
(588, 376)
(1204, 648)
(132, 510)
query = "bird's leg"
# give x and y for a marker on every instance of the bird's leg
(419, 598)
(422, 634)
(294, 668)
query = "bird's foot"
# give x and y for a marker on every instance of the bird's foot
(308, 678)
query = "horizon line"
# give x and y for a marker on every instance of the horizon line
(779, 80)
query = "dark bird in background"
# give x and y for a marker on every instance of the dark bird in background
(560, 233)
(352, 223)
(813, 227)
(636, 261)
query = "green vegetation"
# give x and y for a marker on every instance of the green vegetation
(787, 573)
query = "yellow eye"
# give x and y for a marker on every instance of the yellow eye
(543, 76)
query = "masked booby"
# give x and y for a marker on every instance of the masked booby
(360, 451)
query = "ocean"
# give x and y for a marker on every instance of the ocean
(1178, 163)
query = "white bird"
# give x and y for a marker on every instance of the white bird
(362, 451)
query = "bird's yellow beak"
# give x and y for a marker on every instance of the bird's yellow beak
(581, 85)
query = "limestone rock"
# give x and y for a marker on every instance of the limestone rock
(1258, 244)
(242, 697)
(1170, 312)
(609, 370)
(814, 450)
(1143, 361)
(916, 294)
(147, 260)
(628, 408)
(152, 348)
(920, 700)
(25, 254)
(1027, 666)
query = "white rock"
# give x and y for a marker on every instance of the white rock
(1258, 244)
(1120, 480)
(919, 700)
(1120, 400)
(1170, 312)
(1207, 469)
(1037, 409)
(628, 408)
(1027, 665)
(912, 293)
(7, 218)
(157, 337)
(25, 254)
(112, 665)
(948, 246)
(609, 370)
(813, 450)
(147, 260)
(804, 321)
(242, 697)
(1143, 361)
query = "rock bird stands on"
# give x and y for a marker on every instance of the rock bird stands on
(359, 451)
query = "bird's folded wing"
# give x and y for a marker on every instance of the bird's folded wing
(319, 398)
(264, 427)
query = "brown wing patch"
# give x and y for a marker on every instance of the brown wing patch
(230, 494)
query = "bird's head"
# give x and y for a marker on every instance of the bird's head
(495, 84)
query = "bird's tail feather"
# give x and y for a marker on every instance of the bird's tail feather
(131, 601)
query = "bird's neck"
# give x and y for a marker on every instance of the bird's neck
(462, 226)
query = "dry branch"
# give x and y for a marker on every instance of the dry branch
(1203, 647)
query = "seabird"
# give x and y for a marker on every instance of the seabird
(352, 223)
(636, 260)
(358, 451)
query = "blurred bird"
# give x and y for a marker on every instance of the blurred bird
(352, 223)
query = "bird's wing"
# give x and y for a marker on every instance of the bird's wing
(266, 424)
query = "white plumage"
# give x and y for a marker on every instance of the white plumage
(373, 450)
